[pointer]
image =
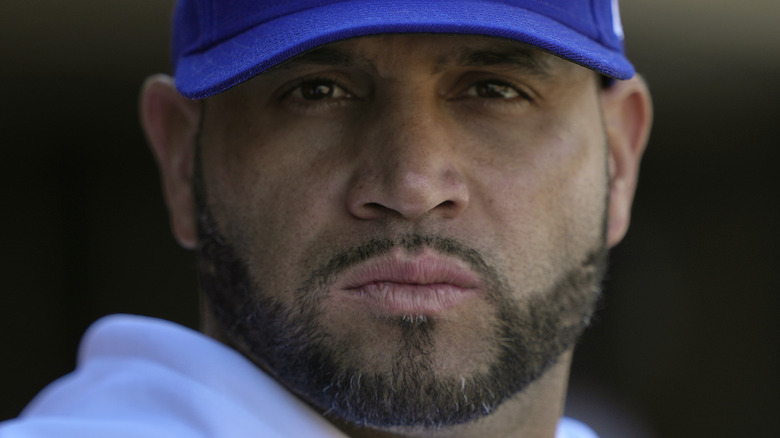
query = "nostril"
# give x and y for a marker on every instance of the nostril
(447, 204)
(451, 207)
(375, 206)
(373, 210)
(408, 189)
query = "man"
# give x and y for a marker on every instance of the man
(402, 212)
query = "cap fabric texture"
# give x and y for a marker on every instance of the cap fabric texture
(218, 44)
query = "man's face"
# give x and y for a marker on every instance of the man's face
(405, 230)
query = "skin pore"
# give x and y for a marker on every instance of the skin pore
(477, 162)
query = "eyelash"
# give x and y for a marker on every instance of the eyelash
(326, 103)
(299, 84)
(522, 95)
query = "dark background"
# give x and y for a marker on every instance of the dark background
(686, 344)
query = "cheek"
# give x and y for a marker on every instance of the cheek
(267, 165)
(544, 197)
(263, 189)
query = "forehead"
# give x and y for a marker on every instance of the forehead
(433, 52)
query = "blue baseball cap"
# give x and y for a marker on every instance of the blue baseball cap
(218, 44)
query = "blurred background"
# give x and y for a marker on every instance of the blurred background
(686, 343)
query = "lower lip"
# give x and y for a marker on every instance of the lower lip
(400, 299)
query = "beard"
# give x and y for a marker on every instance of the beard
(291, 342)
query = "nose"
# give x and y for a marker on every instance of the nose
(408, 166)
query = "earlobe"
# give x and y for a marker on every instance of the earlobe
(170, 122)
(628, 113)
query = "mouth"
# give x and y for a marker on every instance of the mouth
(400, 284)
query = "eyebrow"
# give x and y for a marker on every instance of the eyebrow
(503, 54)
(326, 56)
(508, 55)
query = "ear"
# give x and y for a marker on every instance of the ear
(170, 122)
(628, 115)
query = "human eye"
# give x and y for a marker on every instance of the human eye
(318, 89)
(315, 96)
(496, 89)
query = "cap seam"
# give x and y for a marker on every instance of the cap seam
(595, 17)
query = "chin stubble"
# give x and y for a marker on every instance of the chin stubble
(290, 344)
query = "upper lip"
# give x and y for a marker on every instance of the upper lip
(425, 267)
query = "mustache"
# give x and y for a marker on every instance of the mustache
(326, 274)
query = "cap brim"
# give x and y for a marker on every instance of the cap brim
(224, 65)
